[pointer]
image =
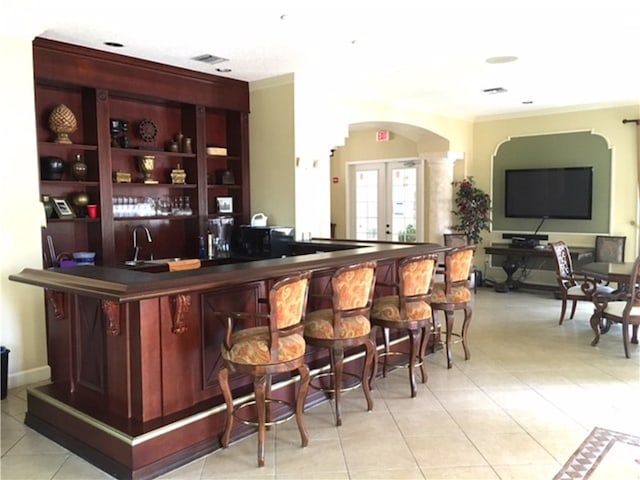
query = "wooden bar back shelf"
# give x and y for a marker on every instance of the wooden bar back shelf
(100, 86)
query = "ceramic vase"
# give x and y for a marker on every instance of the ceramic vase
(52, 168)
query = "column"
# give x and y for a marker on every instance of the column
(439, 193)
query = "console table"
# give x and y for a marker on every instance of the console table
(516, 258)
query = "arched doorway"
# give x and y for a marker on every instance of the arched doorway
(404, 143)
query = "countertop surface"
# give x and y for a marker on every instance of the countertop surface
(123, 283)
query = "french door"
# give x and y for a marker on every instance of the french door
(385, 201)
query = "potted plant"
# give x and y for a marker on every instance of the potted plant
(473, 206)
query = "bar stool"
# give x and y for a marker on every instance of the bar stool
(409, 311)
(263, 351)
(454, 294)
(345, 325)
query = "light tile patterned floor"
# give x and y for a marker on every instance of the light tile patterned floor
(529, 396)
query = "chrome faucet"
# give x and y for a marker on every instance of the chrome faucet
(136, 248)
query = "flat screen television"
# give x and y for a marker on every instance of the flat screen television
(549, 193)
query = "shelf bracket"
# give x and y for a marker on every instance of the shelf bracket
(180, 305)
(56, 300)
(111, 310)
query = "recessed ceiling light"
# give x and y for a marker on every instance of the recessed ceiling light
(223, 70)
(501, 59)
(114, 44)
(527, 102)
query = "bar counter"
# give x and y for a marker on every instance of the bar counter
(134, 354)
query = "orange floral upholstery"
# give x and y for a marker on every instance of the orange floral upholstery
(417, 277)
(352, 288)
(460, 265)
(458, 294)
(388, 308)
(289, 301)
(251, 347)
(319, 324)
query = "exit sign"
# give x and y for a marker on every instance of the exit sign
(382, 136)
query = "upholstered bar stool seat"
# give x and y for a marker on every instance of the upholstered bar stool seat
(319, 325)
(251, 347)
(344, 325)
(407, 311)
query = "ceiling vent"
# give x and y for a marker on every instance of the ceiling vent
(494, 90)
(210, 59)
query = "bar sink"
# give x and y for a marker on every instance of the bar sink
(155, 261)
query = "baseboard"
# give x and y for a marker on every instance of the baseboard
(27, 377)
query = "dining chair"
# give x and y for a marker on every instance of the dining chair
(408, 310)
(275, 346)
(609, 249)
(622, 308)
(573, 287)
(344, 325)
(453, 294)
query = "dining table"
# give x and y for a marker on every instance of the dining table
(619, 273)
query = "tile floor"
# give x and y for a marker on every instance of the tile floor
(528, 397)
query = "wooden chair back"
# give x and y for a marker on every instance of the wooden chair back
(564, 267)
(610, 249)
(455, 240)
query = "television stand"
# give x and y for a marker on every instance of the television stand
(517, 257)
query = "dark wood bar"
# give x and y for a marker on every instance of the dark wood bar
(134, 355)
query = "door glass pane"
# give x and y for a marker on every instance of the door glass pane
(366, 191)
(403, 202)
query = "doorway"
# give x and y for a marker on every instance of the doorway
(385, 200)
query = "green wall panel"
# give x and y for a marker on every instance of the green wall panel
(576, 149)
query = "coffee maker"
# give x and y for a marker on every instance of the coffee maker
(219, 237)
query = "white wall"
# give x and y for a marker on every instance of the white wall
(22, 326)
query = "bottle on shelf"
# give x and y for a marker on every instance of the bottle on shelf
(79, 169)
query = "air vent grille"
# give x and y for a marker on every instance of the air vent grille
(210, 59)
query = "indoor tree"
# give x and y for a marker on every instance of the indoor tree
(473, 207)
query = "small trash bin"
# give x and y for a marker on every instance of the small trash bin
(4, 370)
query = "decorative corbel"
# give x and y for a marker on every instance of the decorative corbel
(111, 310)
(180, 307)
(56, 299)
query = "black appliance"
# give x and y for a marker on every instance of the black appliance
(265, 242)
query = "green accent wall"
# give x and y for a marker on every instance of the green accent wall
(576, 149)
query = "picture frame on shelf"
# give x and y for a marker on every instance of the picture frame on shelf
(225, 204)
(62, 208)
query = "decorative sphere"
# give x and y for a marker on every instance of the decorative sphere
(80, 199)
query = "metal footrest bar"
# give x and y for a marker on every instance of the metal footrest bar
(397, 364)
(347, 378)
(290, 412)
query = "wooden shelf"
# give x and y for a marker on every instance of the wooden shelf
(140, 152)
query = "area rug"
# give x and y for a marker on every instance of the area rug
(604, 454)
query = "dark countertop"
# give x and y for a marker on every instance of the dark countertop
(124, 284)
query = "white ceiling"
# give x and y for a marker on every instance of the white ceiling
(427, 55)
